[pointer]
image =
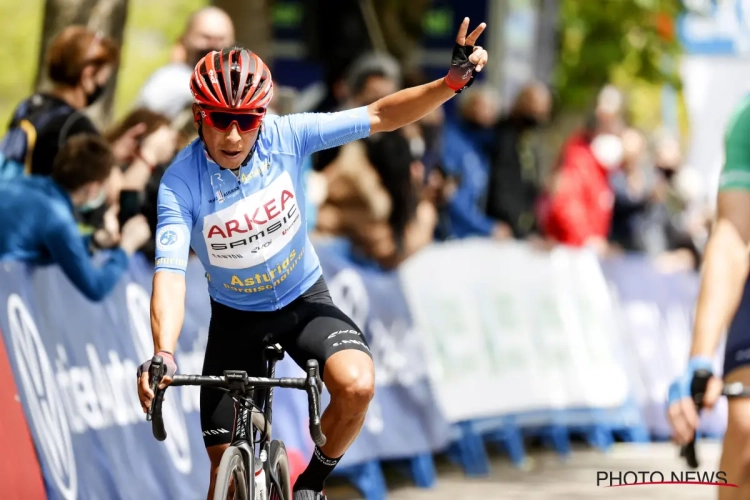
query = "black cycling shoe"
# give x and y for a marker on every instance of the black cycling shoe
(309, 495)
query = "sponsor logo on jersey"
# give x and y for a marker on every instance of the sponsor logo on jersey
(254, 228)
(169, 237)
(222, 196)
(256, 172)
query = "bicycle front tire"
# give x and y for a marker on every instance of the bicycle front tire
(232, 470)
(279, 487)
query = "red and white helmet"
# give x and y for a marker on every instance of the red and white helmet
(234, 79)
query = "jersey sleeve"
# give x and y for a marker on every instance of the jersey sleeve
(736, 171)
(316, 131)
(173, 224)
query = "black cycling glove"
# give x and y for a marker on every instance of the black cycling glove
(462, 71)
(169, 362)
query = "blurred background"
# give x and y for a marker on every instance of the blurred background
(524, 260)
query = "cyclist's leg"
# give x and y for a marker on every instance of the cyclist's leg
(230, 347)
(331, 337)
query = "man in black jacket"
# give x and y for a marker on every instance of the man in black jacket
(514, 174)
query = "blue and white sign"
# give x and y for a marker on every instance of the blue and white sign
(715, 27)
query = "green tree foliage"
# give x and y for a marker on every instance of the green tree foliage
(20, 35)
(606, 40)
(150, 33)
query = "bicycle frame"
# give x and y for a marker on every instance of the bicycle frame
(245, 441)
(240, 385)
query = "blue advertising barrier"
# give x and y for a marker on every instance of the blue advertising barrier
(75, 361)
(75, 364)
(656, 315)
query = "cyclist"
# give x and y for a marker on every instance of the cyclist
(235, 195)
(722, 303)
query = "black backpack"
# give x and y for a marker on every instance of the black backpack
(17, 146)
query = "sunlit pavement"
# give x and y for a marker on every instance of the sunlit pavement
(549, 477)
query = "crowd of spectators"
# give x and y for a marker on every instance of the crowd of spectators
(478, 174)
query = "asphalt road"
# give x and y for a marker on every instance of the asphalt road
(549, 477)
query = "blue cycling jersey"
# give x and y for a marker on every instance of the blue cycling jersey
(249, 230)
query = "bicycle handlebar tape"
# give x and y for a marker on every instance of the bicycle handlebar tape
(697, 391)
(157, 424)
(157, 369)
(154, 369)
(316, 433)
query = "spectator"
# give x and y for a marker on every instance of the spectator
(156, 150)
(167, 91)
(515, 170)
(38, 225)
(662, 230)
(374, 199)
(608, 114)
(80, 63)
(577, 208)
(466, 147)
(632, 185)
(370, 77)
(439, 189)
(411, 220)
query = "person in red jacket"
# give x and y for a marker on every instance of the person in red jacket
(577, 209)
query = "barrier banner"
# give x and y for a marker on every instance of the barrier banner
(75, 365)
(403, 419)
(512, 331)
(655, 315)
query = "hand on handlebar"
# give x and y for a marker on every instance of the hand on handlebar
(683, 413)
(145, 375)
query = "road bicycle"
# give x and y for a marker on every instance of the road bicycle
(261, 476)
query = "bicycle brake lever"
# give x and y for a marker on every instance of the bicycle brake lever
(156, 370)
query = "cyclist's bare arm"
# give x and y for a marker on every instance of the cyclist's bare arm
(174, 219)
(725, 270)
(167, 309)
(409, 105)
(726, 262)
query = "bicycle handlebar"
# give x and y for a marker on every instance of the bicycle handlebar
(697, 391)
(312, 384)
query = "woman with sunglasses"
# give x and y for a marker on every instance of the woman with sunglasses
(236, 196)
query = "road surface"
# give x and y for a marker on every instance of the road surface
(548, 477)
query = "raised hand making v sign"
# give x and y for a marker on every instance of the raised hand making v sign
(409, 105)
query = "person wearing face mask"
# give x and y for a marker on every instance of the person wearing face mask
(38, 225)
(466, 145)
(166, 91)
(514, 172)
(577, 208)
(79, 63)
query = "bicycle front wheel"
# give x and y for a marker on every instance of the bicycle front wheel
(231, 481)
(279, 486)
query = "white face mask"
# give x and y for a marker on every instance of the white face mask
(417, 147)
(97, 202)
(608, 151)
